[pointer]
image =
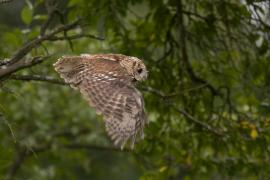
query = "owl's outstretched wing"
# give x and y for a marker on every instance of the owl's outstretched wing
(108, 88)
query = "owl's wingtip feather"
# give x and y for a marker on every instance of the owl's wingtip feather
(56, 63)
(59, 61)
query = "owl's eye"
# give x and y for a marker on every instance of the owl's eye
(139, 70)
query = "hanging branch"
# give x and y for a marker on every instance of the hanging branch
(183, 50)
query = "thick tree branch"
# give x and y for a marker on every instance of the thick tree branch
(9, 69)
(16, 62)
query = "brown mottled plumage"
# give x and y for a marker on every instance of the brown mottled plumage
(107, 82)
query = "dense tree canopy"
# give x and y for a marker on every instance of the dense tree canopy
(207, 95)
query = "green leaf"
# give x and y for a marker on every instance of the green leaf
(27, 14)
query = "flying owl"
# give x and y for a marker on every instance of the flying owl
(107, 81)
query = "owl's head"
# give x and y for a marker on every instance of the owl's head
(139, 71)
(135, 67)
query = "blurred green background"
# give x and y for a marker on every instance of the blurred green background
(207, 96)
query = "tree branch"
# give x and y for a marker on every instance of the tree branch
(181, 111)
(16, 63)
(51, 10)
(38, 40)
(15, 166)
(9, 69)
(183, 50)
(196, 121)
(144, 88)
(25, 152)
(38, 78)
(93, 147)
(78, 36)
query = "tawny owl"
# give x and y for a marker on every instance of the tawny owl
(107, 81)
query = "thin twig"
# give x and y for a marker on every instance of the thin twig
(94, 147)
(187, 115)
(38, 78)
(196, 121)
(78, 36)
(37, 41)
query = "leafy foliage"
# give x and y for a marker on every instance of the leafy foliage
(207, 95)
